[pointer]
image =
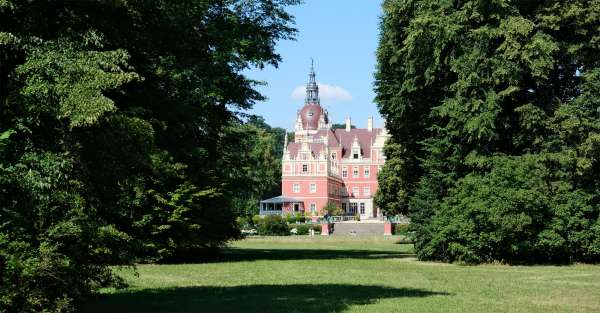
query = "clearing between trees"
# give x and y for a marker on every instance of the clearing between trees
(347, 274)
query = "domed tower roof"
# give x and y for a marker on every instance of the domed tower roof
(310, 115)
(312, 112)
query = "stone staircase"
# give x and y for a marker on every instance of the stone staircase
(358, 229)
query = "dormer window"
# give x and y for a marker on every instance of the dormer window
(304, 168)
(355, 153)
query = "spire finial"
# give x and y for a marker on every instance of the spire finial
(312, 90)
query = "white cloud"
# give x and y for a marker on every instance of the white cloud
(326, 92)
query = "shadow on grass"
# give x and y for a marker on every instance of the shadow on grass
(244, 254)
(307, 298)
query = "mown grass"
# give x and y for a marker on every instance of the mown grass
(333, 274)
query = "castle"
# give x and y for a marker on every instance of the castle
(324, 165)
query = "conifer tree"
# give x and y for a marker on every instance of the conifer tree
(494, 110)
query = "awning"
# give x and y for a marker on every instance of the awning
(281, 199)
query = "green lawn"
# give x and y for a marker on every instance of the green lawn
(332, 274)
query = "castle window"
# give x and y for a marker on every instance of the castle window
(296, 188)
(304, 168)
(367, 191)
(313, 187)
(345, 172)
(353, 206)
(355, 153)
(355, 191)
(313, 208)
(362, 208)
(367, 172)
(355, 171)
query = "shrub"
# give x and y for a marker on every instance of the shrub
(304, 229)
(244, 222)
(401, 229)
(290, 218)
(516, 212)
(333, 209)
(301, 229)
(317, 228)
(300, 218)
(256, 220)
(273, 225)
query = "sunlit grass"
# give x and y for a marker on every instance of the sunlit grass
(348, 274)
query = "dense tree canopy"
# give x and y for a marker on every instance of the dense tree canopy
(494, 111)
(118, 129)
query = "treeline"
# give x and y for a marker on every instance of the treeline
(494, 111)
(122, 138)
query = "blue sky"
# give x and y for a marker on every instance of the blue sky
(341, 36)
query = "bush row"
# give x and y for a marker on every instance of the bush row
(304, 229)
(275, 225)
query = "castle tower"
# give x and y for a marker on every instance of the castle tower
(312, 117)
(312, 89)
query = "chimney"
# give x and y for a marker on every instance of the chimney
(348, 123)
(370, 123)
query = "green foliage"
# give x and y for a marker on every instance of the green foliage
(316, 227)
(333, 209)
(71, 77)
(290, 218)
(52, 250)
(272, 225)
(401, 229)
(304, 229)
(301, 229)
(121, 137)
(494, 115)
(255, 162)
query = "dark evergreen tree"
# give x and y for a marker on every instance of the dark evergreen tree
(494, 110)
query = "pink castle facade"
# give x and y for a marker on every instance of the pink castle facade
(326, 165)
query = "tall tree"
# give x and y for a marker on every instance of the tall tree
(114, 117)
(494, 112)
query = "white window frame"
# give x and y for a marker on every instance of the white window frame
(362, 208)
(355, 172)
(367, 191)
(313, 207)
(355, 191)
(304, 168)
(313, 187)
(345, 172)
(367, 172)
(296, 188)
(353, 208)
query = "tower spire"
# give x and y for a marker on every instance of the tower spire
(312, 90)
